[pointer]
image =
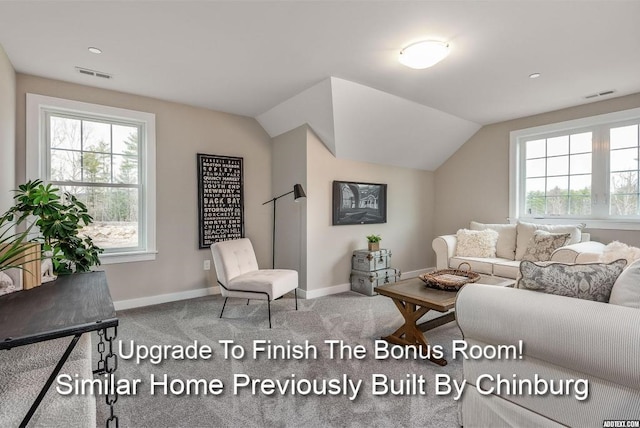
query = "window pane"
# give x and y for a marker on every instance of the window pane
(580, 183)
(624, 205)
(125, 169)
(96, 168)
(624, 159)
(115, 215)
(557, 186)
(581, 143)
(536, 149)
(125, 140)
(535, 205)
(557, 205)
(536, 168)
(558, 146)
(536, 185)
(558, 165)
(96, 136)
(625, 136)
(624, 182)
(579, 205)
(580, 164)
(65, 165)
(64, 133)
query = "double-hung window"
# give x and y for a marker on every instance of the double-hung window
(585, 170)
(105, 156)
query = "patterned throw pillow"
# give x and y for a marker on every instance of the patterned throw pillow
(543, 244)
(476, 243)
(592, 281)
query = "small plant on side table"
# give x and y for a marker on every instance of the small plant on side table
(374, 242)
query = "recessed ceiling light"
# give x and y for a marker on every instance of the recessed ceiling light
(95, 50)
(424, 54)
(534, 75)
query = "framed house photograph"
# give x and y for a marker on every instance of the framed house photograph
(359, 203)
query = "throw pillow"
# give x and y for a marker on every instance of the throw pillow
(476, 243)
(617, 250)
(626, 290)
(543, 244)
(506, 245)
(525, 232)
(592, 281)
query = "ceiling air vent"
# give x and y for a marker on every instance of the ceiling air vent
(94, 73)
(600, 94)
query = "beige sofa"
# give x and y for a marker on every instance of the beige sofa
(511, 246)
(563, 339)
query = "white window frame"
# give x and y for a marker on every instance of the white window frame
(600, 192)
(36, 160)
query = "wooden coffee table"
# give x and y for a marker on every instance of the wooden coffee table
(414, 299)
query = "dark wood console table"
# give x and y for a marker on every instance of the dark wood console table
(69, 306)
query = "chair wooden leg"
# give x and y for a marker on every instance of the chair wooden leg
(295, 291)
(247, 302)
(223, 305)
(269, 309)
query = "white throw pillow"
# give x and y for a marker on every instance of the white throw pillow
(525, 232)
(506, 245)
(626, 290)
(476, 243)
(617, 250)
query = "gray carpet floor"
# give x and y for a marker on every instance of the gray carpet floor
(351, 317)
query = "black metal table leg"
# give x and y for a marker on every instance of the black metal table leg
(50, 380)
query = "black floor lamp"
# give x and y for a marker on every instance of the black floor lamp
(298, 192)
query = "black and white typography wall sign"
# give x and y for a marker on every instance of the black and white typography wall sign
(220, 198)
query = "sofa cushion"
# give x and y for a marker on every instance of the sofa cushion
(478, 264)
(525, 232)
(543, 244)
(626, 290)
(506, 245)
(592, 281)
(476, 243)
(507, 269)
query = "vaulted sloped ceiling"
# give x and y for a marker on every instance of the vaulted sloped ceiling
(364, 124)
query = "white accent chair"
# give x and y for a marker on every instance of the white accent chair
(239, 276)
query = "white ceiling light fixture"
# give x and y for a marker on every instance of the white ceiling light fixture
(424, 54)
(95, 50)
(534, 75)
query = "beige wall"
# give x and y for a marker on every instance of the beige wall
(289, 166)
(7, 131)
(182, 131)
(474, 183)
(407, 233)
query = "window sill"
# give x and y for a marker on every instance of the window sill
(134, 256)
(614, 224)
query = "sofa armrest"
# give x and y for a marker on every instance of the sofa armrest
(445, 248)
(582, 252)
(590, 337)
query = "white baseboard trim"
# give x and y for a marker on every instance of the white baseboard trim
(341, 288)
(164, 298)
(326, 291)
(201, 292)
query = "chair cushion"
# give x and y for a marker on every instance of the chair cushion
(506, 245)
(626, 289)
(525, 232)
(233, 258)
(274, 282)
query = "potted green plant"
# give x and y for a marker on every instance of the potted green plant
(374, 242)
(59, 221)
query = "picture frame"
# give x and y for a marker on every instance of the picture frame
(220, 199)
(359, 203)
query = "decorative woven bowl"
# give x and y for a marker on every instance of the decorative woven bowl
(450, 279)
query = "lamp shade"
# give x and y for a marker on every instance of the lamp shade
(424, 54)
(298, 192)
